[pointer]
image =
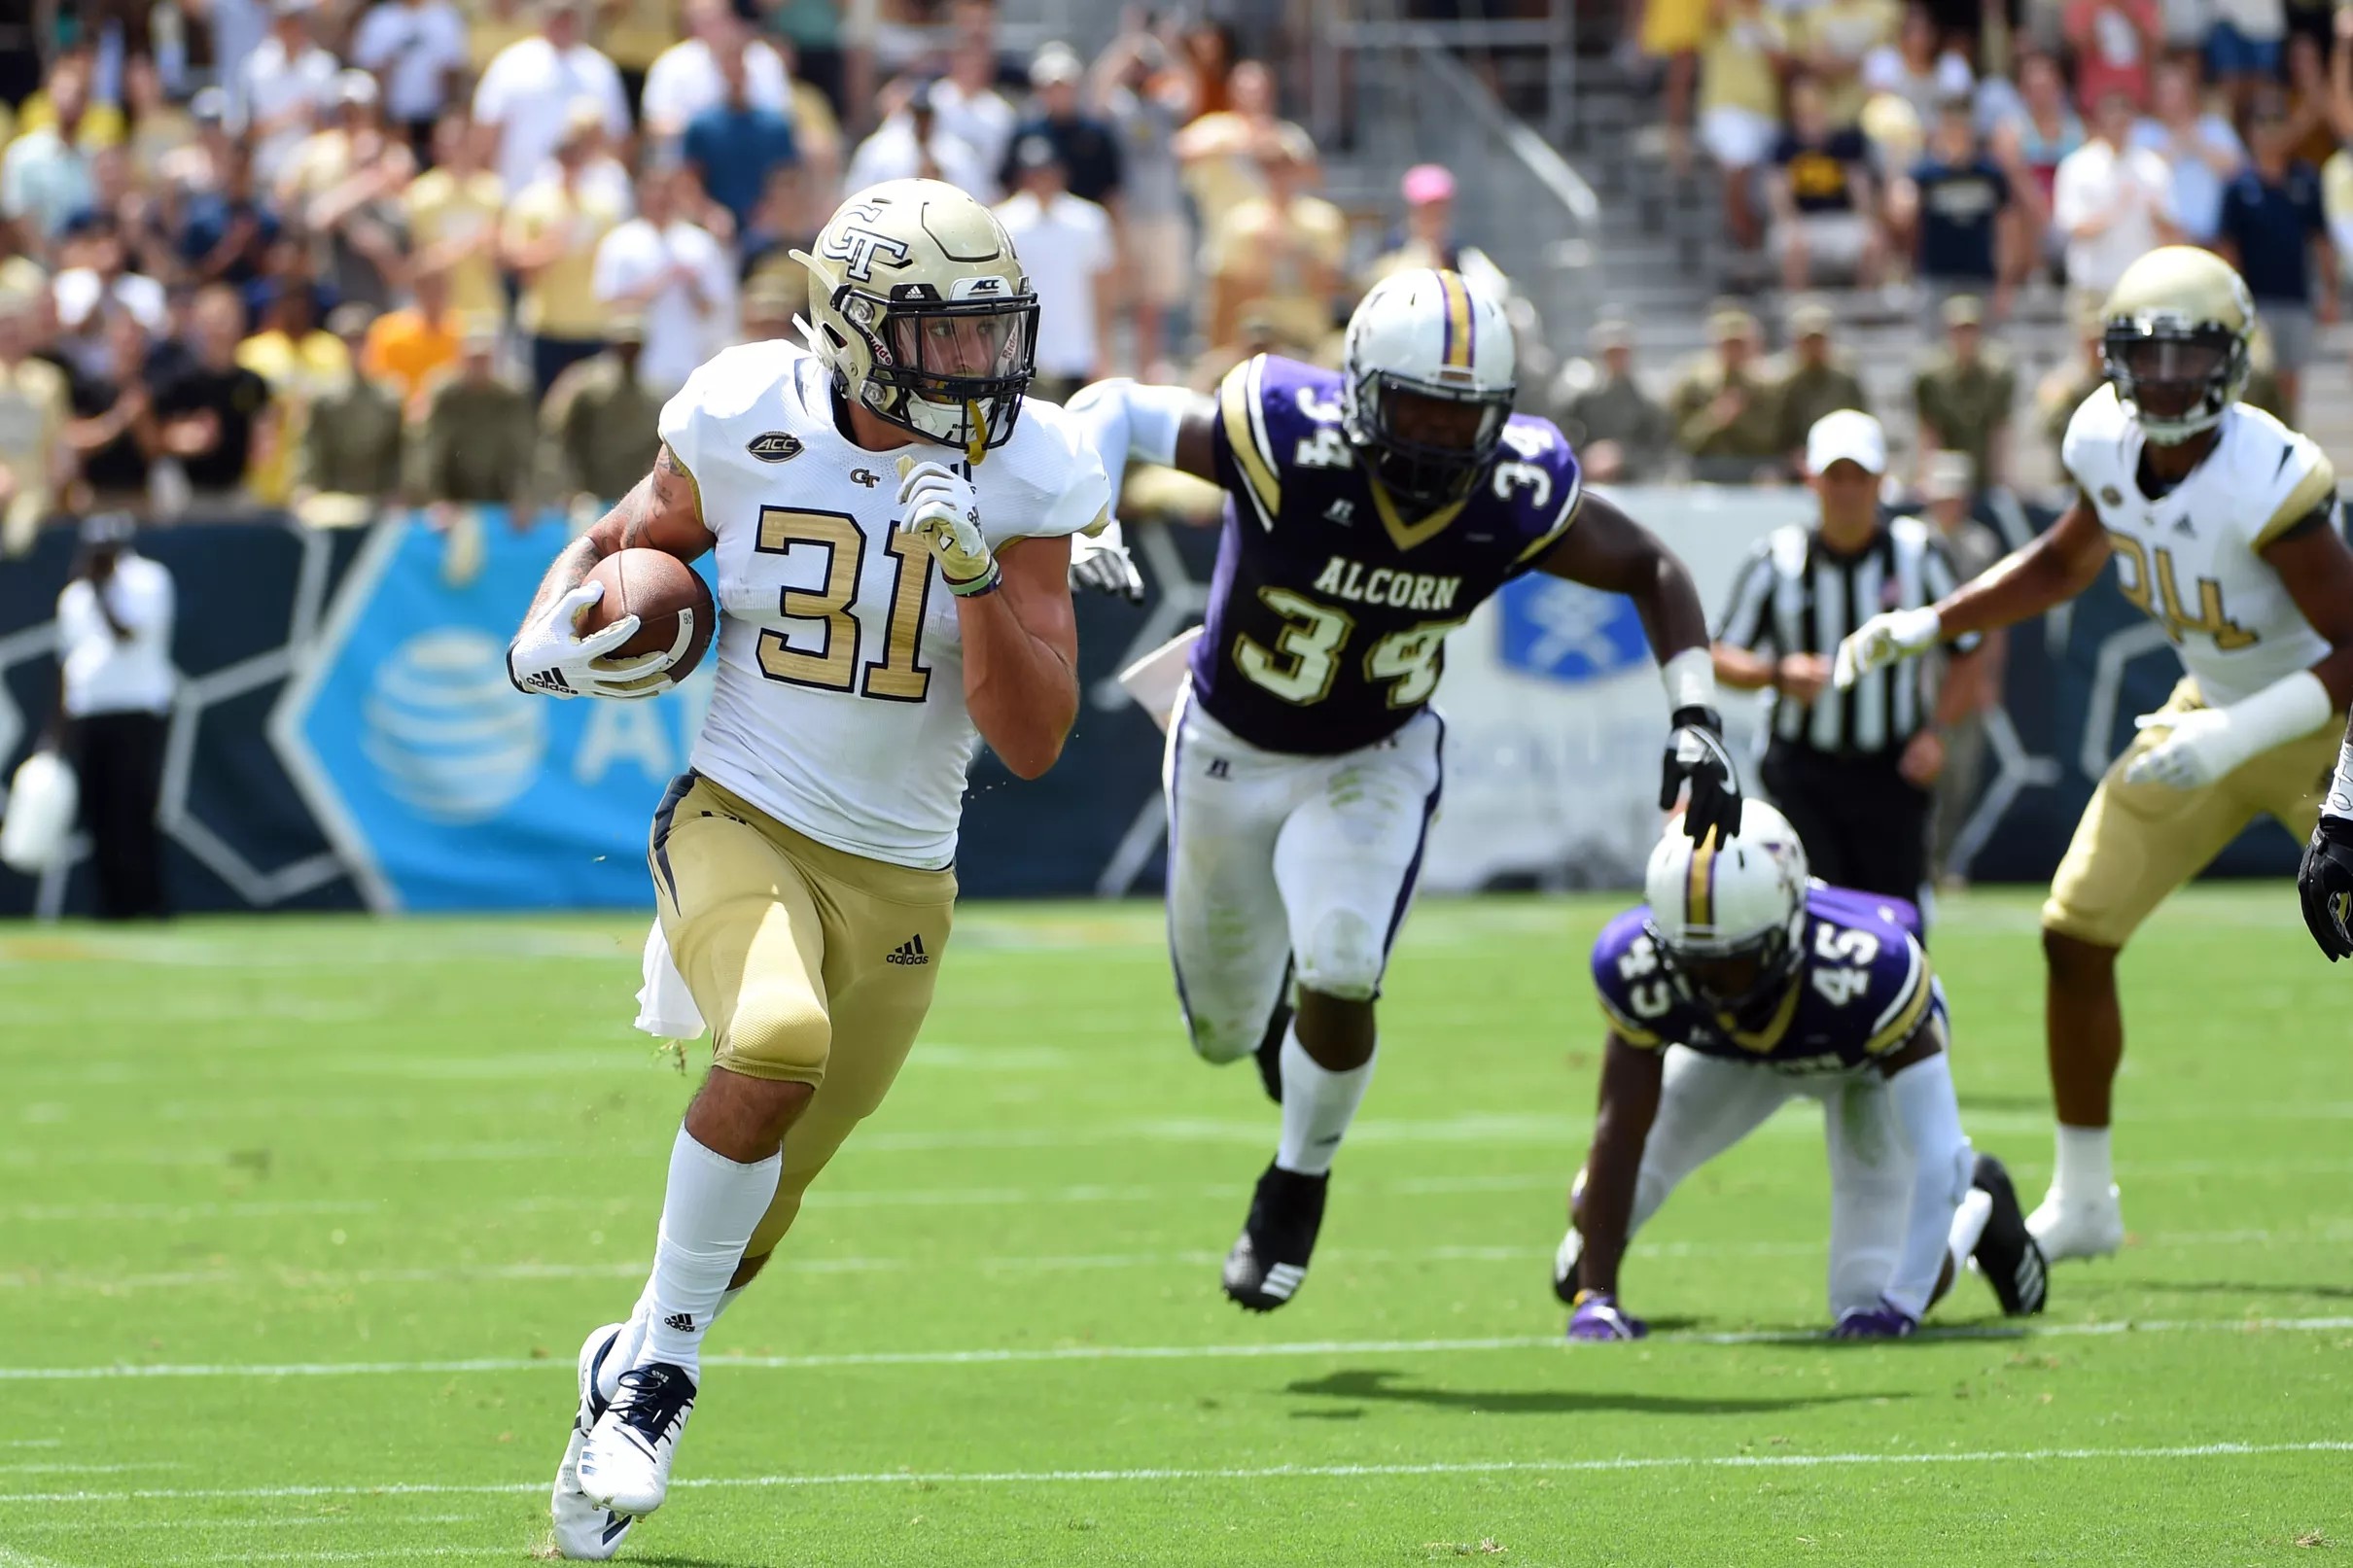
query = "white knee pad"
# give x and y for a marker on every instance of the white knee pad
(1221, 1040)
(1343, 956)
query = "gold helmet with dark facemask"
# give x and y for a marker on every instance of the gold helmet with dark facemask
(2178, 333)
(921, 308)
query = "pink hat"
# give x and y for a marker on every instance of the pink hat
(1428, 183)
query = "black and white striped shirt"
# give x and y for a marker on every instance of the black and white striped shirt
(1796, 596)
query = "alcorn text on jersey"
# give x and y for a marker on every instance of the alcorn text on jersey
(2190, 559)
(839, 705)
(1329, 612)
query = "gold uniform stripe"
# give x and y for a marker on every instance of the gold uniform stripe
(1907, 1018)
(2317, 485)
(1569, 509)
(1764, 1040)
(1235, 395)
(1700, 892)
(1458, 320)
(1404, 534)
(692, 483)
(1625, 1029)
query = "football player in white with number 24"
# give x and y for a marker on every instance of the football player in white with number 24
(892, 528)
(2223, 523)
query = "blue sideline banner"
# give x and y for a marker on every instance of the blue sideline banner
(444, 787)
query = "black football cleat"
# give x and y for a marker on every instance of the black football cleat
(2007, 1253)
(1269, 1261)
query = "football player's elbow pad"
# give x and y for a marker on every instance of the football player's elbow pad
(1930, 1113)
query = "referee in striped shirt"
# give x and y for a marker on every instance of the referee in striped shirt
(1851, 770)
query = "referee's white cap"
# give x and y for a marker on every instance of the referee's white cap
(1847, 435)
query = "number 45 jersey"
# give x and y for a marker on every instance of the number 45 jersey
(1863, 987)
(1330, 610)
(2190, 559)
(839, 704)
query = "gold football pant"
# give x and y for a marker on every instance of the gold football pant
(811, 964)
(2137, 843)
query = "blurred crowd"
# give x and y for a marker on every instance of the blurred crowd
(1968, 165)
(323, 254)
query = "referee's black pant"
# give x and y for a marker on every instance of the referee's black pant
(1863, 825)
(119, 758)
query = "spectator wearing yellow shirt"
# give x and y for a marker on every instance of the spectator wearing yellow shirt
(1740, 71)
(491, 25)
(1220, 152)
(34, 411)
(453, 219)
(301, 362)
(407, 348)
(549, 239)
(1830, 41)
(1280, 253)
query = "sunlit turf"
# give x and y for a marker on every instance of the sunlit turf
(301, 1223)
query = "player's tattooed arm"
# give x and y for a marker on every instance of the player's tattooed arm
(2315, 563)
(1606, 549)
(1631, 1078)
(2057, 565)
(662, 512)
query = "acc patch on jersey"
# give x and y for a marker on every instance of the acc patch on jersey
(774, 446)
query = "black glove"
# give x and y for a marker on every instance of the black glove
(1696, 756)
(2325, 883)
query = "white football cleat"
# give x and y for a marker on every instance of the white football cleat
(584, 1531)
(2068, 1226)
(625, 1464)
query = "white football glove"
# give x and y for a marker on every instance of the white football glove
(943, 511)
(2197, 749)
(549, 655)
(1103, 563)
(1889, 636)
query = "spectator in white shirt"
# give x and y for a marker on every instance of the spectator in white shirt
(2113, 204)
(114, 646)
(523, 103)
(968, 104)
(911, 143)
(287, 82)
(417, 48)
(685, 78)
(670, 273)
(1066, 244)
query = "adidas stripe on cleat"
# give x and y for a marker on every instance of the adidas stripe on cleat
(625, 1464)
(1269, 1261)
(2007, 1253)
(911, 950)
(584, 1531)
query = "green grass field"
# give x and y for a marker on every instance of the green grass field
(301, 1223)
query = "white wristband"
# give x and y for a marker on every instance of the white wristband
(1690, 679)
(2287, 710)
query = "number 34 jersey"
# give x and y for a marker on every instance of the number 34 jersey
(1864, 988)
(2190, 559)
(839, 703)
(1330, 610)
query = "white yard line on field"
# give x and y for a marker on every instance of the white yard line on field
(1171, 1353)
(1049, 1478)
(273, 1521)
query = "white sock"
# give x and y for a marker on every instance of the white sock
(707, 1214)
(1317, 1104)
(623, 1354)
(2083, 1161)
(1968, 1224)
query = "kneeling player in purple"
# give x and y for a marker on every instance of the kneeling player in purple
(1738, 984)
(1368, 512)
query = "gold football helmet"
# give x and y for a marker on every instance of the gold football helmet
(920, 306)
(2179, 332)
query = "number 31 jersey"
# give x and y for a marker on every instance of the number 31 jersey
(1330, 610)
(1862, 990)
(839, 704)
(2190, 559)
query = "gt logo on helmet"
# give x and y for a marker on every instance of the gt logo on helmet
(859, 249)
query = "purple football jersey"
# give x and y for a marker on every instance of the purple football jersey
(1330, 610)
(1863, 987)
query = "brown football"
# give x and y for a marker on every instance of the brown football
(658, 589)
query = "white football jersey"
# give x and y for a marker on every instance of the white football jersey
(2190, 558)
(839, 704)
